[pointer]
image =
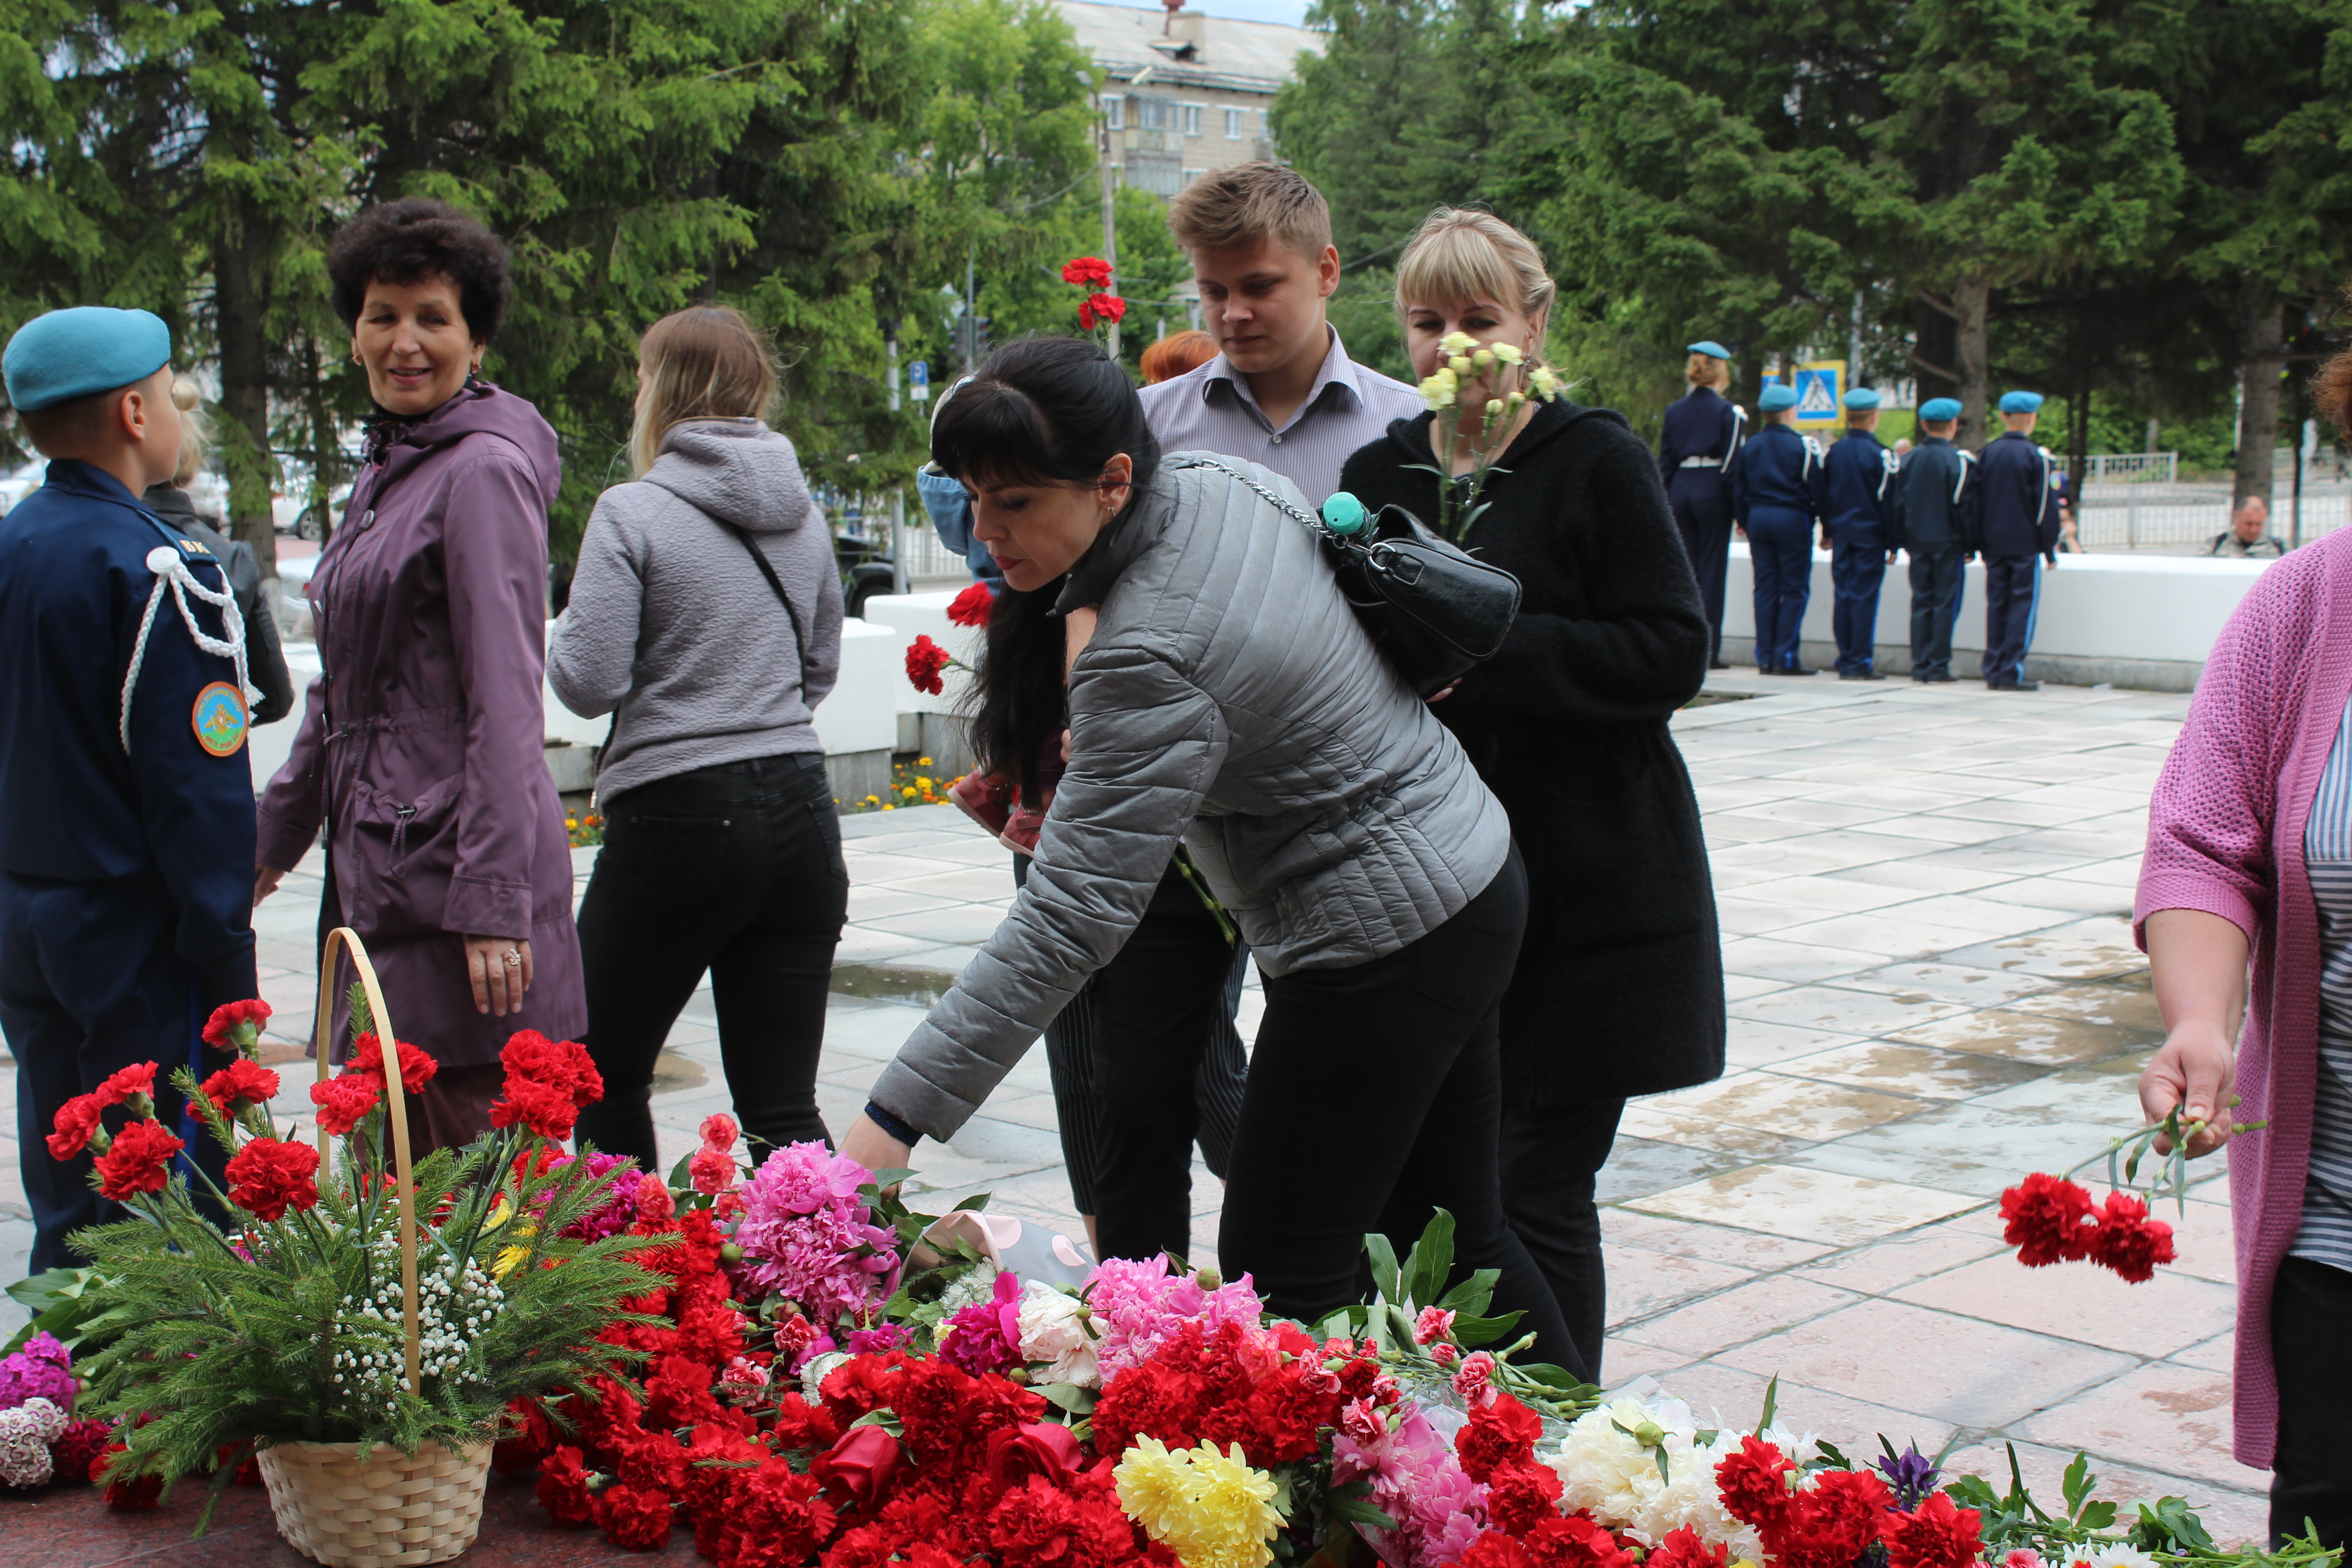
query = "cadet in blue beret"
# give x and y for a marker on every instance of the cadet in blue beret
(126, 801)
(1780, 493)
(1940, 491)
(2020, 510)
(1702, 435)
(1866, 524)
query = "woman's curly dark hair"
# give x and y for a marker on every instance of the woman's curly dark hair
(405, 241)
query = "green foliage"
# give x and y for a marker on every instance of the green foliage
(292, 1330)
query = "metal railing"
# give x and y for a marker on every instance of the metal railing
(2134, 467)
(2135, 524)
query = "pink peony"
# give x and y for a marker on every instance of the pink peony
(985, 1337)
(807, 1237)
(1138, 1305)
(1415, 1479)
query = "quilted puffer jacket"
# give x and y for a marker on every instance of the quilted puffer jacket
(1228, 698)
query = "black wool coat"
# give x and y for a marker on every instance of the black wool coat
(1619, 989)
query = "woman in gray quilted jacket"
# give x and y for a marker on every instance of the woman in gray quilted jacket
(1229, 700)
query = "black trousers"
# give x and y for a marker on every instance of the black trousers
(1146, 1060)
(735, 870)
(1856, 573)
(1701, 499)
(1552, 1156)
(1375, 1098)
(90, 983)
(2012, 596)
(1939, 579)
(2311, 1349)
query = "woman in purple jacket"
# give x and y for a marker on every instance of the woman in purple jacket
(420, 749)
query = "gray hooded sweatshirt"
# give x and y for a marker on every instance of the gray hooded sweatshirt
(672, 624)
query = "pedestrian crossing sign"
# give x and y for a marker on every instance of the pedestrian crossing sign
(1820, 384)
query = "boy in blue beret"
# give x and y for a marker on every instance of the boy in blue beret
(2020, 512)
(1779, 493)
(1865, 526)
(126, 800)
(1940, 488)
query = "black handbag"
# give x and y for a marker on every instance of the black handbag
(1434, 612)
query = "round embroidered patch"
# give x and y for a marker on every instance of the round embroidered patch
(219, 719)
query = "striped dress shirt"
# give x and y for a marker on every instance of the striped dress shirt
(1211, 409)
(2325, 1235)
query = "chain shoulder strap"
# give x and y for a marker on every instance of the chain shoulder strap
(1304, 519)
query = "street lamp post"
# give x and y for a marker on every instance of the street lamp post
(1111, 197)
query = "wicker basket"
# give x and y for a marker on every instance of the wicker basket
(348, 1512)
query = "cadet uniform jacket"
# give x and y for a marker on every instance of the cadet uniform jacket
(1865, 503)
(1778, 467)
(1941, 493)
(2021, 504)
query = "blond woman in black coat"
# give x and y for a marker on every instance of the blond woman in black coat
(1619, 990)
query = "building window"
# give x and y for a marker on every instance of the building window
(1161, 173)
(1114, 105)
(1193, 175)
(1155, 113)
(1191, 120)
(1232, 125)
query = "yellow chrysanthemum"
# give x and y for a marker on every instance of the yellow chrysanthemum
(1155, 1488)
(1232, 1507)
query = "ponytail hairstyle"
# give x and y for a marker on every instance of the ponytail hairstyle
(1043, 411)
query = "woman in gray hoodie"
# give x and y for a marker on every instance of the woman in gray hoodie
(706, 617)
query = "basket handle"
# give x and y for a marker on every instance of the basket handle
(396, 1114)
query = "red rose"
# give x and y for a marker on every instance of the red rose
(1035, 1449)
(122, 1085)
(2128, 1242)
(1087, 271)
(1938, 1535)
(973, 605)
(77, 1122)
(139, 1160)
(563, 1489)
(344, 1102)
(859, 1467)
(925, 659)
(223, 1028)
(633, 1521)
(240, 1083)
(2047, 1219)
(417, 1069)
(266, 1177)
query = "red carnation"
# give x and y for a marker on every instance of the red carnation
(417, 1069)
(222, 1029)
(1754, 1484)
(1938, 1535)
(1086, 272)
(712, 1171)
(546, 1109)
(266, 1177)
(1520, 1494)
(564, 1066)
(1502, 1433)
(1684, 1549)
(1574, 1542)
(719, 1131)
(77, 1124)
(971, 606)
(925, 659)
(139, 1160)
(139, 1492)
(344, 1102)
(563, 1489)
(2128, 1242)
(239, 1084)
(1494, 1550)
(633, 1521)
(1040, 1525)
(122, 1085)
(1832, 1522)
(2047, 1219)
(1106, 308)
(679, 1393)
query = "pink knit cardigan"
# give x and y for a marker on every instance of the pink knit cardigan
(2225, 836)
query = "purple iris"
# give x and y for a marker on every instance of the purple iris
(1911, 1476)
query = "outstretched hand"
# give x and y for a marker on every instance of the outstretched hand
(2195, 1072)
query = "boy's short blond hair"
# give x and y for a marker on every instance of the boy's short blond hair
(1249, 203)
(1459, 256)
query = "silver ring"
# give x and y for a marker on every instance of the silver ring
(514, 957)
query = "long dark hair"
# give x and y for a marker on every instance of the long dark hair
(1044, 411)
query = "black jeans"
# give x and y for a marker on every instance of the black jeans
(1552, 1155)
(2311, 1352)
(1375, 1097)
(735, 870)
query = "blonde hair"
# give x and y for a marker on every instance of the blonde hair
(1458, 255)
(1249, 203)
(195, 432)
(1706, 370)
(706, 362)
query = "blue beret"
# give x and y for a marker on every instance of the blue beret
(2020, 402)
(71, 353)
(1936, 410)
(1708, 346)
(1861, 397)
(1776, 397)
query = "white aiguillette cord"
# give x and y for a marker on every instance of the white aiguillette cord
(170, 568)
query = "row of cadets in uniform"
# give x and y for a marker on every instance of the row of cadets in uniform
(126, 799)
(1703, 434)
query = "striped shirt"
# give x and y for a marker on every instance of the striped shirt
(1211, 409)
(2325, 1235)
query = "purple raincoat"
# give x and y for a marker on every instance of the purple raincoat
(421, 745)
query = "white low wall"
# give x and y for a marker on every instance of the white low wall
(2144, 621)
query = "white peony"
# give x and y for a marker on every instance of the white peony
(1055, 1329)
(1602, 1469)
